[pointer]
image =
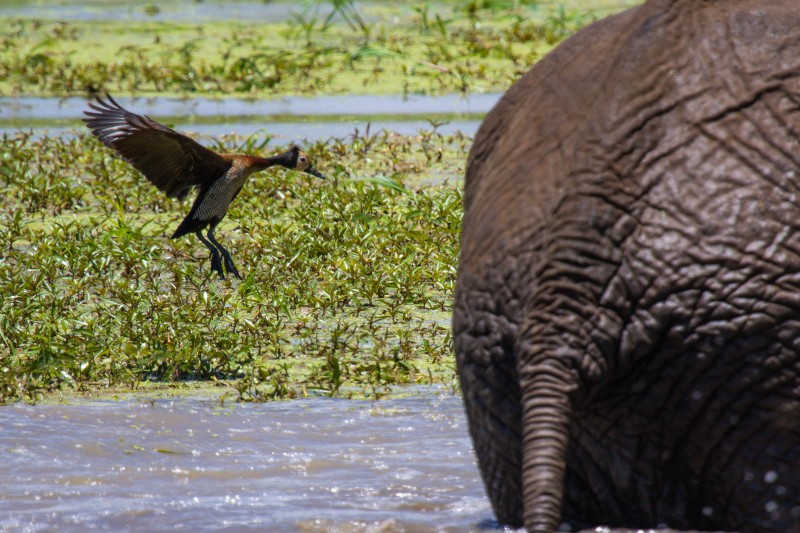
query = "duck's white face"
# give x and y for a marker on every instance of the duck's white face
(303, 161)
(303, 164)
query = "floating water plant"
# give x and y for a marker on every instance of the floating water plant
(432, 49)
(347, 291)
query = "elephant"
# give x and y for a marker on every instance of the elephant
(626, 316)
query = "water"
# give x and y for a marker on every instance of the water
(256, 11)
(290, 118)
(307, 106)
(168, 10)
(306, 465)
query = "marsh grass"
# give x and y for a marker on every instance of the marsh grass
(346, 290)
(433, 48)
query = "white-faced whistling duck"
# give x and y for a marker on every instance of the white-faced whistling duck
(175, 164)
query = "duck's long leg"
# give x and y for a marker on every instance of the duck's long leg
(229, 266)
(216, 260)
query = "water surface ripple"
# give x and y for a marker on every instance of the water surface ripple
(306, 465)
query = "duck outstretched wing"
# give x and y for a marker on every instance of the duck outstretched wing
(169, 160)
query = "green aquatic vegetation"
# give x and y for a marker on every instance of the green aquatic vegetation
(347, 286)
(431, 49)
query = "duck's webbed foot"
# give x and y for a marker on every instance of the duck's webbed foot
(216, 257)
(229, 266)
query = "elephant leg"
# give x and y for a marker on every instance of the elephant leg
(487, 369)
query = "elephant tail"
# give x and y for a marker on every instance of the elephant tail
(546, 413)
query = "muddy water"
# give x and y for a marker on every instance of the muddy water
(306, 465)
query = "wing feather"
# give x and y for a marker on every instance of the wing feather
(169, 160)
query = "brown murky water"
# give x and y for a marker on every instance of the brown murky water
(308, 465)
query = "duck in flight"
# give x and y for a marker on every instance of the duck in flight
(176, 164)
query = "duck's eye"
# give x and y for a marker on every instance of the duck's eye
(302, 159)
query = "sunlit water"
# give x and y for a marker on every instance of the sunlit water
(289, 118)
(165, 10)
(258, 11)
(191, 464)
(300, 106)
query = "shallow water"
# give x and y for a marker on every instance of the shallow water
(168, 10)
(197, 11)
(289, 118)
(39, 108)
(306, 465)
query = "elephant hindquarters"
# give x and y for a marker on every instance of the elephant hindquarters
(702, 436)
(483, 339)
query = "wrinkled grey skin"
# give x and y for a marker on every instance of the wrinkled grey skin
(627, 311)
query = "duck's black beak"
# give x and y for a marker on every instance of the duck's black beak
(314, 172)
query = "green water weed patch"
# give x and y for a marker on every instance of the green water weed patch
(347, 282)
(432, 48)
